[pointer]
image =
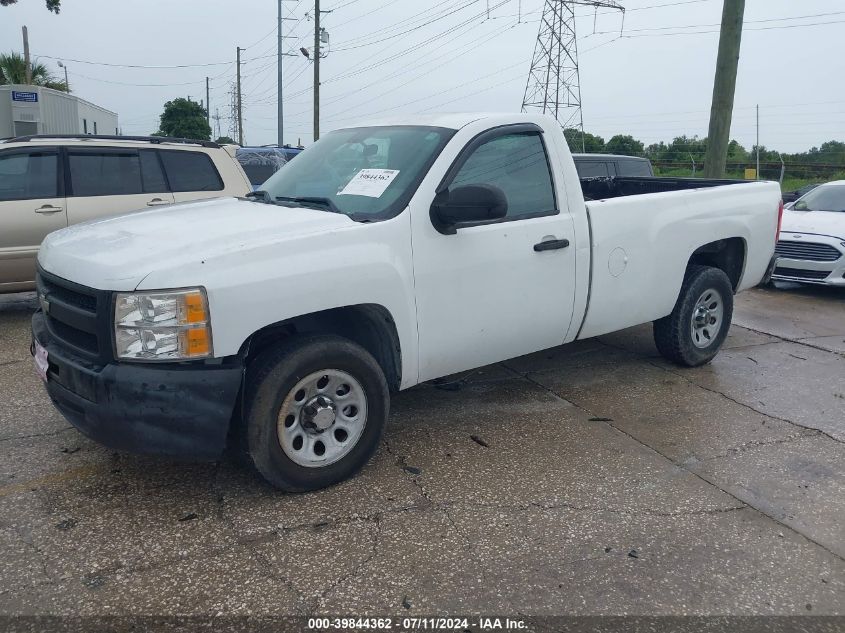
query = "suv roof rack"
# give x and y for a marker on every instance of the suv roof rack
(112, 137)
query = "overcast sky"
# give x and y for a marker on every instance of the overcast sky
(654, 82)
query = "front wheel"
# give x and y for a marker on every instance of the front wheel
(316, 408)
(695, 330)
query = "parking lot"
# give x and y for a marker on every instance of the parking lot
(590, 479)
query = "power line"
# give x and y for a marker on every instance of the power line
(395, 25)
(450, 53)
(765, 28)
(496, 73)
(419, 26)
(123, 83)
(410, 49)
(696, 26)
(82, 61)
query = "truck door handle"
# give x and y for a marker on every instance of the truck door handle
(157, 202)
(551, 245)
(47, 208)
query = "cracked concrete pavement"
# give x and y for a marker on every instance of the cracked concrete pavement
(589, 479)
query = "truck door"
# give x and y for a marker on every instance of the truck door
(505, 287)
(32, 204)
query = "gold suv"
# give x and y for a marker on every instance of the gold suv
(50, 182)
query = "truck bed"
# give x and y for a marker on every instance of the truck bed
(606, 188)
(643, 231)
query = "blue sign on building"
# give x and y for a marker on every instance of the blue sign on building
(29, 97)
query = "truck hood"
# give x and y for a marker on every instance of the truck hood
(816, 222)
(117, 253)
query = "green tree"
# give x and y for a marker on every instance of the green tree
(737, 153)
(52, 5)
(626, 145)
(592, 144)
(656, 150)
(13, 71)
(831, 152)
(225, 140)
(184, 118)
(682, 147)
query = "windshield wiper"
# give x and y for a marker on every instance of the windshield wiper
(318, 201)
(259, 196)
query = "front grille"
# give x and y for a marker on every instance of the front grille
(814, 275)
(809, 251)
(74, 314)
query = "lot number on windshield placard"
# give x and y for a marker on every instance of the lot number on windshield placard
(369, 182)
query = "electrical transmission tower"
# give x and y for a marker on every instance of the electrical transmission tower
(234, 129)
(554, 85)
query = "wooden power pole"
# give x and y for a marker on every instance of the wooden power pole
(316, 69)
(724, 86)
(26, 60)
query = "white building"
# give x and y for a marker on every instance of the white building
(26, 110)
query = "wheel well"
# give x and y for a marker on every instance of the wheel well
(369, 325)
(727, 255)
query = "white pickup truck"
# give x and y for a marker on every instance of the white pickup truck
(384, 256)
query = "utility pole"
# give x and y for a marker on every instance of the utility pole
(28, 69)
(207, 103)
(316, 69)
(279, 95)
(239, 103)
(758, 142)
(724, 86)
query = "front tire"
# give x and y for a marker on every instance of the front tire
(316, 408)
(698, 325)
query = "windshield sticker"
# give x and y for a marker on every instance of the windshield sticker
(369, 182)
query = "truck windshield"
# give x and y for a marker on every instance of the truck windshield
(367, 173)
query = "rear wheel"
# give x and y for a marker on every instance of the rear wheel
(695, 330)
(315, 412)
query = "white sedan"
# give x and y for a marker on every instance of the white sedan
(811, 246)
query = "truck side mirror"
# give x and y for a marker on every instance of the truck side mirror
(468, 204)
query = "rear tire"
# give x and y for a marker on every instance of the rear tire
(698, 325)
(316, 408)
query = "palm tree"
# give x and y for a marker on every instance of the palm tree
(13, 71)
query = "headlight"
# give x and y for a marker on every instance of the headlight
(170, 325)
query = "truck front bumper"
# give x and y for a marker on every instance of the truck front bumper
(180, 410)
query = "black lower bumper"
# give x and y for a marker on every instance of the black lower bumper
(181, 410)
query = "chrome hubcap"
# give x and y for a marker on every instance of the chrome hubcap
(707, 318)
(322, 418)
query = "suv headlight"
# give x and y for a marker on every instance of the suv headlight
(162, 325)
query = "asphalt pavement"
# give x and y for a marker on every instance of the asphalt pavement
(590, 479)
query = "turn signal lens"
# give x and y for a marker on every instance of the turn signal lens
(195, 311)
(197, 342)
